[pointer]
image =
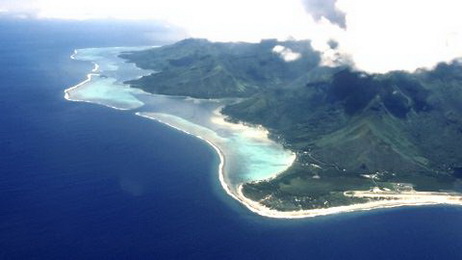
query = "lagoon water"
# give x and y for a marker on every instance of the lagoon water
(250, 154)
(85, 181)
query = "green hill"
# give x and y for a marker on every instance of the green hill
(199, 68)
(343, 124)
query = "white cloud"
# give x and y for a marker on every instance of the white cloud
(286, 53)
(400, 35)
(231, 20)
(243, 20)
(380, 35)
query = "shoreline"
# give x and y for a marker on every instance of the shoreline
(254, 206)
(255, 132)
(221, 166)
(417, 198)
(87, 80)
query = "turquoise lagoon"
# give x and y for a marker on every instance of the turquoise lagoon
(247, 152)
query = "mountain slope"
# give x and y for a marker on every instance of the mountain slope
(199, 68)
(344, 125)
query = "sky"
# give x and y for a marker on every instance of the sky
(373, 35)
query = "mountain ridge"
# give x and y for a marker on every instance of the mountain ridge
(342, 124)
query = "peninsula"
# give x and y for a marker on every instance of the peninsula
(361, 140)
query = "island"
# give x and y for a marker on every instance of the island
(359, 138)
(295, 139)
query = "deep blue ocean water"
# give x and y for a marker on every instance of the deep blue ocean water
(82, 181)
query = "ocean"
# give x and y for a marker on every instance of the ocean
(84, 181)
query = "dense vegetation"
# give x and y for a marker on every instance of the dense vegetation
(198, 68)
(343, 124)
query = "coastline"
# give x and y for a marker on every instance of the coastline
(416, 198)
(420, 199)
(218, 150)
(93, 73)
(88, 79)
(255, 132)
